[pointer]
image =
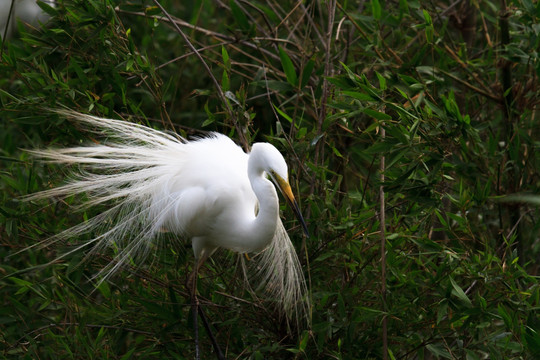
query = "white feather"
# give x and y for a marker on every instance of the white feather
(199, 190)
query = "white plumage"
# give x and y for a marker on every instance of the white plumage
(207, 190)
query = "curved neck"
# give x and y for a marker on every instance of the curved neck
(263, 228)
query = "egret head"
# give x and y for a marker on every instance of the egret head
(266, 158)
(273, 164)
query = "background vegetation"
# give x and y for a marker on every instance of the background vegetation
(424, 111)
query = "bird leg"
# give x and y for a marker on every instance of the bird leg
(217, 349)
(196, 310)
(192, 286)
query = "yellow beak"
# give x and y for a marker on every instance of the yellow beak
(285, 189)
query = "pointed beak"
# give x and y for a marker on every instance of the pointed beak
(285, 189)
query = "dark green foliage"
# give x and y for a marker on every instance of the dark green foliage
(455, 87)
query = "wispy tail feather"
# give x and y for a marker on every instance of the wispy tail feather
(129, 171)
(279, 272)
(133, 171)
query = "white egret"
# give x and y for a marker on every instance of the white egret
(208, 190)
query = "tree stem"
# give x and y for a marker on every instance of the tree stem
(382, 217)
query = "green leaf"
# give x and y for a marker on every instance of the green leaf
(45, 304)
(304, 341)
(239, 17)
(226, 59)
(442, 311)
(288, 67)
(441, 218)
(377, 114)
(457, 218)
(507, 318)
(225, 81)
(532, 336)
(439, 351)
(358, 95)
(47, 8)
(458, 291)
(429, 26)
(336, 152)
(471, 355)
(427, 17)
(20, 282)
(403, 7)
(350, 74)
(104, 289)
(285, 116)
(382, 81)
(128, 354)
(306, 72)
(225, 77)
(376, 8)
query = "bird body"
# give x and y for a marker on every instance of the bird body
(207, 190)
(231, 203)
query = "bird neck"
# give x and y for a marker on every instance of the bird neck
(263, 227)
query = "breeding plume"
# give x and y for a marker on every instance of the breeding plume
(207, 190)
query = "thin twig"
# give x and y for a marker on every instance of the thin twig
(327, 64)
(65, 324)
(472, 87)
(210, 333)
(230, 39)
(382, 216)
(467, 69)
(4, 35)
(358, 28)
(325, 86)
(240, 132)
(511, 124)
